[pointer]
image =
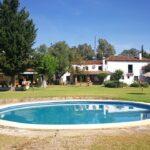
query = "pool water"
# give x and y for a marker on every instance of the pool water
(69, 113)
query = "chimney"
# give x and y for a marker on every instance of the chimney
(140, 56)
(104, 64)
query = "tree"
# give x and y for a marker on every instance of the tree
(17, 35)
(131, 52)
(47, 67)
(42, 49)
(116, 76)
(146, 54)
(105, 49)
(75, 57)
(85, 51)
(61, 51)
(146, 68)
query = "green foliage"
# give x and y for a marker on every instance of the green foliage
(105, 49)
(131, 52)
(146, 68)
(116, 76)
(75, 57)
(146, 54)
(85, 51)
(61, 51)
(17, 35)
(102, 77)
(42, 49)
(114, 84)
(144, 84)
(47, 65)
(137, 84)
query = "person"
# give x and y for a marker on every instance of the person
(25, 84)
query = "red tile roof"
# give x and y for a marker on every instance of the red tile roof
(127, 58)
(94, 72)
(91, 62)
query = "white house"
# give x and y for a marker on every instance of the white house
(131, 67)
(90, 68)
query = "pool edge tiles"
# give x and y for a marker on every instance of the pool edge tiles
(78, 126)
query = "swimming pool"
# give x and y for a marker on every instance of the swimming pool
(72, 114)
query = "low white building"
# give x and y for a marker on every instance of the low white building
(131, 67)
(89, 68)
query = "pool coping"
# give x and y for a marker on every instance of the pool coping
(71, 127)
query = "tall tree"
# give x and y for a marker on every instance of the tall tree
(131, 52)
(42, 49)
(61, 51)
(46, 66)
(105, 49)
(85, 51)
(17, 35)
(75, 56)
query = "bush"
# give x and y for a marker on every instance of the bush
(116, 76)
(102, 77)
(114, 84)
(135, 84)
(145, 85)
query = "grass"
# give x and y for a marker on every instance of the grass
(133, 94)
(97, 142)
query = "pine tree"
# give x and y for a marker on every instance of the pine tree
(17, 35)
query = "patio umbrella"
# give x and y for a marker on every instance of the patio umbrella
(147, 74)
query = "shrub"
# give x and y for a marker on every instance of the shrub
(145, 85)
(116, 76)
(102, 77)
(114, 84)
(135, 84)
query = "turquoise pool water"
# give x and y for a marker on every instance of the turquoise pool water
(70, 113)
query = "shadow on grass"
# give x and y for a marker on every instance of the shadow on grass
(8, 89)
(4, 89)
(137, 93)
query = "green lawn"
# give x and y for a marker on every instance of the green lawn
(133, 94)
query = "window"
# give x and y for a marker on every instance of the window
(100, 68)
(136, 78)
(130, 68)
(87, 68)
(77, 67)
(93, 67)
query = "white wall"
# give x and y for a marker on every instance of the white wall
(64, 77)
(90, 67)
(112, 66)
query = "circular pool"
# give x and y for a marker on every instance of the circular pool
(75, 114)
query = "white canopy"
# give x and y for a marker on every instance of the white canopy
(147, 74)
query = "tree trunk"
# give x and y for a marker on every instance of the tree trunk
(44, 83)
(13, 85)
(76, 80)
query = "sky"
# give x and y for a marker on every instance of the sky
(124, 23)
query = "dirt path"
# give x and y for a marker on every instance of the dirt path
(129, 138)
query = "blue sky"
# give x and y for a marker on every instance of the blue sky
(124, 23)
